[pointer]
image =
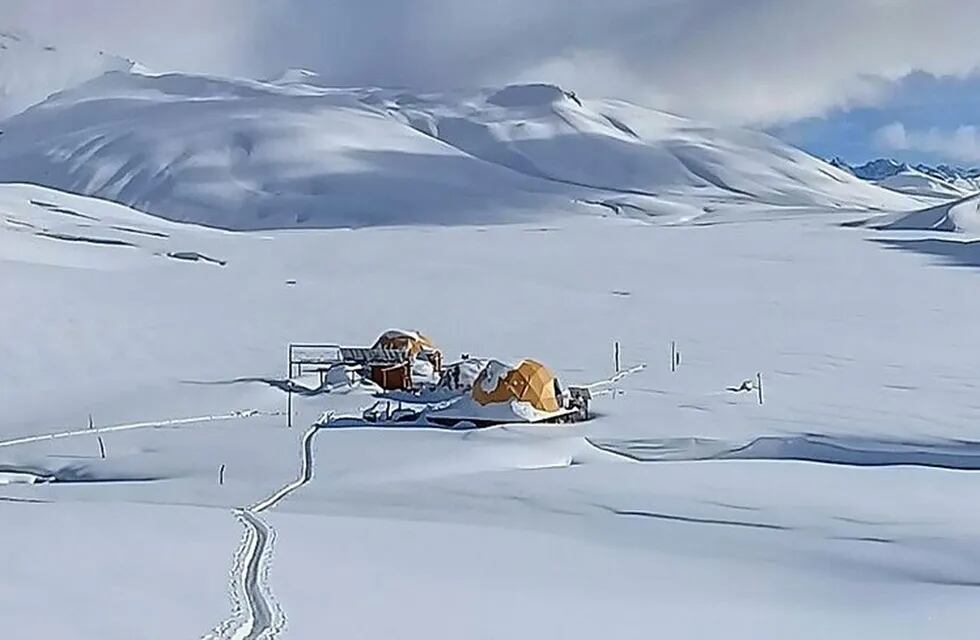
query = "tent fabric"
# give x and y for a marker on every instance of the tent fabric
(413, 341)
(529, 382)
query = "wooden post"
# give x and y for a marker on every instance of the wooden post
(91, 425)
(221, 475)
(673, 356)
(289, 388)
(758, 384)
(616, 365)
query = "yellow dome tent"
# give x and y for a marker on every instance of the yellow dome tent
(530, 382)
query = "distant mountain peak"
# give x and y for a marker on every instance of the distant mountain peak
(527, 95)
(879, 169)
(939, 181)
(296, 76)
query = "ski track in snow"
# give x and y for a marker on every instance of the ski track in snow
(256, 614)
(263, 619)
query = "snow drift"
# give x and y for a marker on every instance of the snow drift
(962, 215)
(244, 154)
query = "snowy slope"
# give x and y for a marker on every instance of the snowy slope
(543, 131)
(917, 183)
(44, 226)
(31, 70)
(939, 182)
(245, 154)
(836, 509)
(962, 215)
(967, 180)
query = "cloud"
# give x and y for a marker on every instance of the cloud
(893, 137)
(962, 143)
(758, 62)
(199, 35)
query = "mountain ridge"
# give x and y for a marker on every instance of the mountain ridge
(941, 181)
(241, 154)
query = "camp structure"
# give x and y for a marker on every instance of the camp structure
(461, 376)
(398, 360)
(502, 393)
(414, 386)
(418, 358)
(529, 383)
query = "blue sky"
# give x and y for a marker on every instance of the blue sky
(940, 118)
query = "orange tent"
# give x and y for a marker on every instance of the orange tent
(529, 382)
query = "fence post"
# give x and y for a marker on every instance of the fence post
(616, 367)
(673, 356)
(758, 384)
(91, 425)
(221, 474)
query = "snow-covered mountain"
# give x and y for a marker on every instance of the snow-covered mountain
(941, 181)
(290, 152)
(31, 70)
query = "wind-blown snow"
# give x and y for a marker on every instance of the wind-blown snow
(242, 154)
(962, 215)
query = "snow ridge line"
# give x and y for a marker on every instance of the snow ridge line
(854, 452)
(234, 415)
(261, 617)
(596, 387)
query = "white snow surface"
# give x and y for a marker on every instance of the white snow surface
(493, 374)
(839, 508)
(512, 411)
(937, 182)
(916, 183)
(961, 216)
(243, 154)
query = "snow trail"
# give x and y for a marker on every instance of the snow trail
(260, 618)
(601, 387)
(234, 415)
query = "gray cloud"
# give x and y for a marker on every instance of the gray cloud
(745, 61)
(198, 35)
